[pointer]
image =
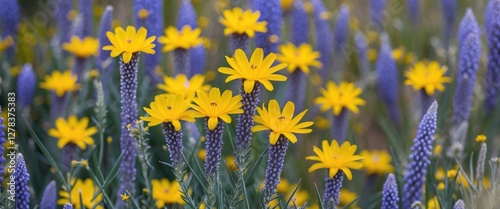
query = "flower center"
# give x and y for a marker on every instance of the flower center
(169, 107)
(129, 41)
(335, 156)
(376, 158)
(281, 118)
(213, 104)
(186, 84)
(253, 67)
(166, 190)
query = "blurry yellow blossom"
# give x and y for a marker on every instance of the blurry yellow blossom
(440, 174)
(433, 203)
(166, 192)
(73, 131)
(181, 84)
(71, 15)
(308, 7)
(84, 190)
(6, 43)
(242, 22)
(202, 153)
(203, 21)
(286, 4)
(427, 76)
(230, 163)
(210, 75)
(322, 123)
(399, 54)
(480, 138)
(377, 162)
(15, 70)
(354, 24)
(82, 48)
(438, 149)
(185, 38)
(339, 97)
(347, 197)
(143, 13)
(299, 57)
(124, 196)
(109, 139)
(94, 73)
(372, 54)
(441, 186)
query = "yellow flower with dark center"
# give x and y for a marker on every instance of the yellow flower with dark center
(73, 131)
(169, 108)
(60, 83)
(215, 106)
(128, 42)
(345, 95)
(480, 138)
(257, 69)
(377, 162)
(166, 192)
(428, 76)
(181, 84)
(300, 57)
(241, 22)
(186, 38)
(84, 188)
(335, 158)
(346, 196)
(6, 43)
(82, 48)
(281, 122)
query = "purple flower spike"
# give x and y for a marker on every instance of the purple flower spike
(86, 9)
(10, 17)
(21, 184)
(493, 73)
(104, 62)
(300, 24)
(332, 189)
(377, 8)
(49, 197)
(187, 16)
(63, 22)
(413, 7)
(323, 36)
(274, 167)
(2, 141)
(26, 84)
(448, 7)
(341, 31)
(390, 196)
(419, 158)
(270, 11)
(387, 80)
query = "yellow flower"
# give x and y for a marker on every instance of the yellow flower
(215, 106)
(84, 188)
(335, 158)
(438, 149)
(73, 131)
(440, 174)
(169, 108)
(398, 54)
(480, 138)
(428, 76)
(6, 43)
(372, 54)
(230, 163)
(202, 153)
(283, 186)
(166, 192)
(183, 39)
(281, 122)
(203, 22)
(124, 196)
(143, 13)
(346, 197)
(441, 186)
(322, 123)
(299, 197)
(300, 57)
(433, 203)
(461, 179)
(82, 48)
(129, 42)
(345, 95)
(181, 84)
(257, 69)
(94, 73)
(241, 22)
(286, 4)
(377, 162)
(60, 83)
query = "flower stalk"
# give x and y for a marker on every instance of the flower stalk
(340, 127)
(332, 190)
(213, 147)
(182, 61)
(245, 123)
(274, 167)
(239, 41)
(174, 145)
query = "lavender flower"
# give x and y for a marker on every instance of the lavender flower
(245, 124)
(21, 184)
(86, 9)
(300, 24)
(270, 11)
(332, 189)
(49, 196)
(448, 8)
(198, 59)
(68, 153)
(493, 73)
(488, 18)
(2, 141)
(79, 66)
(459, 204)
(296, 89)
(104, 62)
(340, 126)
(187, 16)
(413, 7)
(174, 144)
(324, 36)
(68, 206)
(213, 147)
(63, 22)
(26, 83)
(377, 12)
(390, 196)
(274, 167)
(341, 30)
(362, 54)
(419, 157)
(128, 91)
(468, 65)
(154, 23)
(239, 41)
(10, 18)
(182, 61)
(77, 26)
(387, 80)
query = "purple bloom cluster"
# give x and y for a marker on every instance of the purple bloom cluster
(213, 147)
(2, 141)
(362, 53)
(86, 9)
(300, 24)
(270, 11)
(26, 84)
(341, 30)
(128, 91)
(377, 12)
(49, 196)
(63, 22)
(104, 63)
(10, 17)
(297, 84)
(419, 158)
(390, 196)
(187, 16)
(323, 36)
(332, 189)
(22, 179)
(448, 7)
(340, 126)
(413, 7)
(245, 124)
(459, 204)
(274, 167)
(68, 206)
(493, 73)
(174, 144)
(468, 64)
(387, 80)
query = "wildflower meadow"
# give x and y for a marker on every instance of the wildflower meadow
(250, 104)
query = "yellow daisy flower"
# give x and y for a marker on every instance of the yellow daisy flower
(215, 106)
(181, 84)
(377, 162)
(6, 43)
(300, 57)
(335, 158)
(86, 188)
(73, 131)
(281, 122)
(60, 83)
(241, 22)
(169, 108)
(128, 42)
(166, 192)
(82, 48)
(186, 38)
(345, 95)
(257, 69)
(429, 76)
